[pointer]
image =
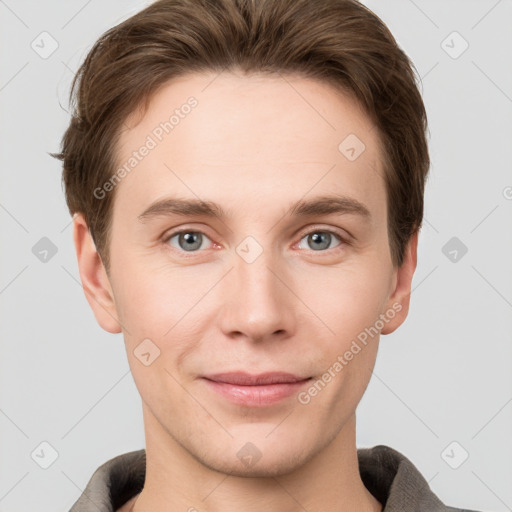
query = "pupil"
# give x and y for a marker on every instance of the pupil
(191, 240)
(319, 239)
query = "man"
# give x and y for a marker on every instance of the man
(246, 179)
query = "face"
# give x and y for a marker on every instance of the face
(240, 313)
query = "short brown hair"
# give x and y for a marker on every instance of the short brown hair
(336, 41)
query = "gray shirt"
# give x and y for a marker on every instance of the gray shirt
(387, 474)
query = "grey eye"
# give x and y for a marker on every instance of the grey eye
(320, 240)
(188, 240)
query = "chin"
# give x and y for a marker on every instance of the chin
(275, 464)
(256, 454)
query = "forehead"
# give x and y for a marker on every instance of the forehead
(211, 134)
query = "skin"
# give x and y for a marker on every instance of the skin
(254, 146)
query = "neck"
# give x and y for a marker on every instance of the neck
(175, 480)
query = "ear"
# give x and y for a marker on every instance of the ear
(93, 275)
(399, 299)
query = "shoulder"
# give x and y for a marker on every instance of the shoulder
(396, 482)
(113, 484)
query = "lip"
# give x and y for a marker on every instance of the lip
(260, 390)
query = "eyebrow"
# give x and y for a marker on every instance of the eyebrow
(322, 205)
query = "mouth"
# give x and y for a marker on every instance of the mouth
(255, 390)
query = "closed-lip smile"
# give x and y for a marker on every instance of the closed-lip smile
(255, 390)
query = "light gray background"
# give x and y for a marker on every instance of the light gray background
(444, 376)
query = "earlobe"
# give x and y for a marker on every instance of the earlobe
(398, 302)
(93, 275)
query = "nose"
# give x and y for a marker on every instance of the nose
(258, 304)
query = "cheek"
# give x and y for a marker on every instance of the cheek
(347, 299)
(158, 304)
(151, 299)
(345, 357)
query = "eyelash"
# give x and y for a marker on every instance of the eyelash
(343, 241)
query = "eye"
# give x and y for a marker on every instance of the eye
(320, 240)
(187, 240)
